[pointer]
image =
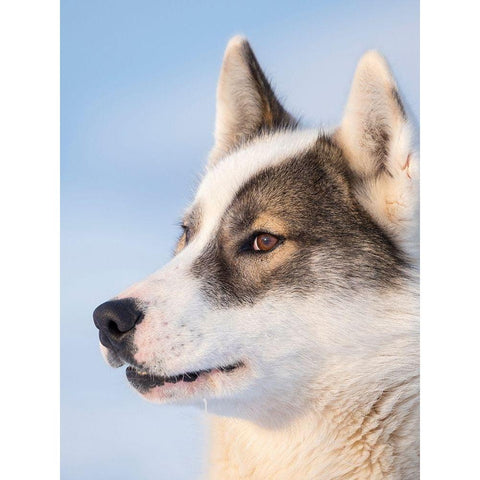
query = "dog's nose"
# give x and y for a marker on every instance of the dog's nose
(115, 318)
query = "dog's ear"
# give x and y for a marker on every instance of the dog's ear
(376, 138)
(246, 103)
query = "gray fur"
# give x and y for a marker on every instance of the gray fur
(336, 243)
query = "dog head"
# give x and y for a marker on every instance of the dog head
(291, 242)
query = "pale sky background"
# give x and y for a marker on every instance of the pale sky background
(138, 86)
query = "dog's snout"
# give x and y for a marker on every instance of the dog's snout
(115, 318)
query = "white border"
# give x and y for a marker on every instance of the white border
(29, 199)
(29, 126)
(450, 159)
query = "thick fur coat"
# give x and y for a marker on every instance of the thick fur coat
(290, 307)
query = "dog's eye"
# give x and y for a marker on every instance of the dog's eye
(264, 242)
(186, 232)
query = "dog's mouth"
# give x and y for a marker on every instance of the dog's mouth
(186, 383)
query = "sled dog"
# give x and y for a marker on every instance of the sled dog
(291, 303)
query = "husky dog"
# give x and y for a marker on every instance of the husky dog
(291, 304)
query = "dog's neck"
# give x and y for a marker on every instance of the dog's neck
(362, 424)
(339, 438)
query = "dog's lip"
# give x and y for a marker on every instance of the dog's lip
(143, 380)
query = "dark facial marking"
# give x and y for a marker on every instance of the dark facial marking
(330, 241)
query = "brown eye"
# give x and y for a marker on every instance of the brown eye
(264, 242)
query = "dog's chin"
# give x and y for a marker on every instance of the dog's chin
(219, 382)
(192, 386)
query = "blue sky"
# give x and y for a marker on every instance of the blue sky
(138, 86)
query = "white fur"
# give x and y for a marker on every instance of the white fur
(330, 384)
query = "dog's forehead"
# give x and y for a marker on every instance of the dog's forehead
(220, 184)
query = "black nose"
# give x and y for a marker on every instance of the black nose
(115, 318)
